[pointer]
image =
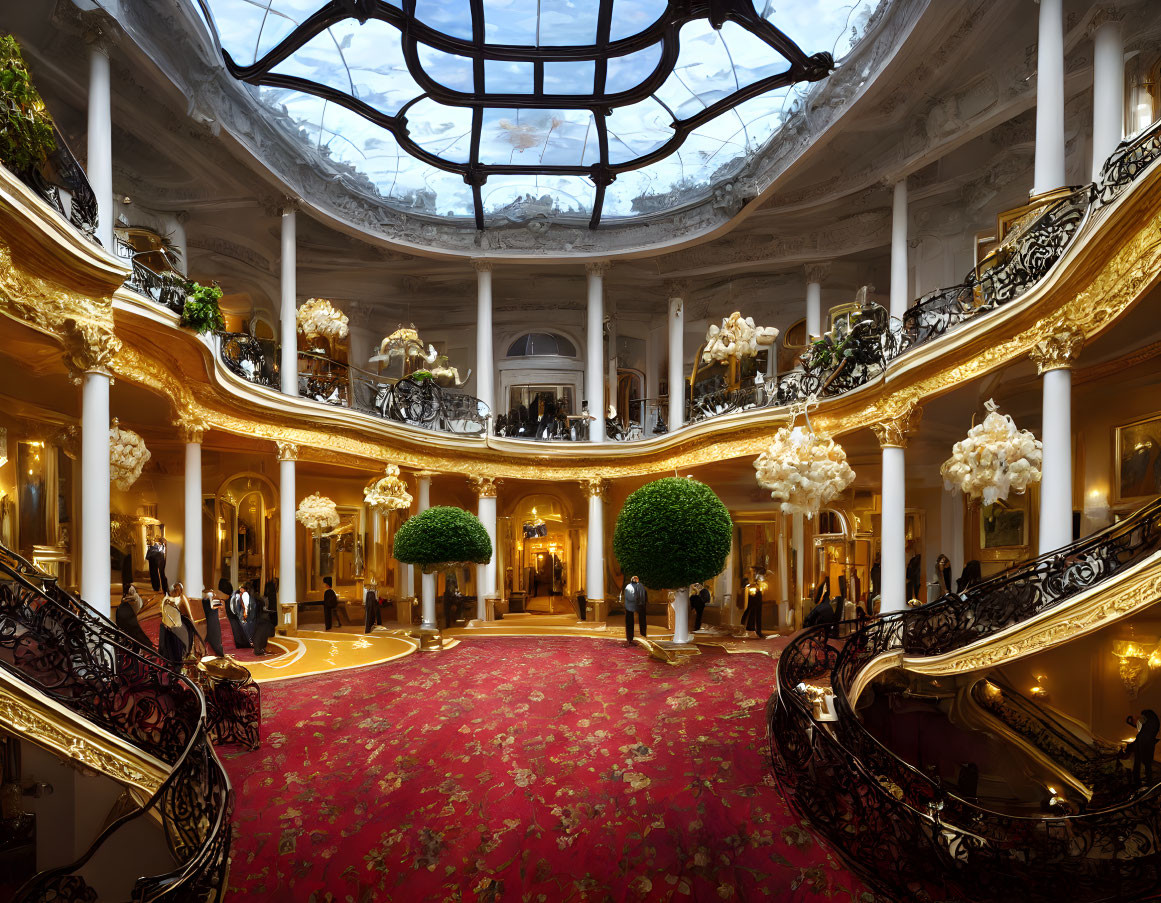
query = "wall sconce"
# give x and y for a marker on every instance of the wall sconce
(1040, 692)
(1137, 659)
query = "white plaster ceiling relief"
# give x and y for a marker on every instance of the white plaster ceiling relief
(335, 189)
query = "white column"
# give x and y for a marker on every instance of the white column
(784, 603)
(595, 349)
(485, 365)
(426, 581)
(180, 240)
(99, 166)
(729, 578)
(681, 616)
(1049, 166)
(96, 530)
(899, 299)
(1054, 356)
(893, 436)
(287, 536)
(288, 311)
(1108, 89)
(798, 534)
(676, 359)
(595, 561)
(486, 573)
(191, 572)
(816, 273)
(611, 363)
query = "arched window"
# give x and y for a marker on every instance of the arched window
(540, 344)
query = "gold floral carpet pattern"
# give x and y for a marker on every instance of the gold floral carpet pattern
(527, 770)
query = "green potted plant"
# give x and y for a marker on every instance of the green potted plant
(201, 312)
(440, 539)
(26, 132)
(671, 533)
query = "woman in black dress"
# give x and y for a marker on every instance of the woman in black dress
(176, 632)
(264, 608)
(210, 607)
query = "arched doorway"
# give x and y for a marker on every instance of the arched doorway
(544, 554)
(246, 535)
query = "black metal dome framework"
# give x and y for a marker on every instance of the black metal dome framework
(416, 36)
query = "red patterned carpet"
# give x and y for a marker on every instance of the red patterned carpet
(526, 770)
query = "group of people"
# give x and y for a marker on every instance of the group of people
(636, 598)
(249, 613)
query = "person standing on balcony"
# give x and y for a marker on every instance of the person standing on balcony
(636, 598)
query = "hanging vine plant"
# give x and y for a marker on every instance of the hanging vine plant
(202, 312)
(26, 130)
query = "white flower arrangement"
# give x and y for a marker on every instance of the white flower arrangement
(736, 337)
(127, 456)
(803, 470)
(317, 513)
(995, 459)
(389, 493)
(319, 318)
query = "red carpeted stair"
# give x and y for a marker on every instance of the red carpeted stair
(523, 769)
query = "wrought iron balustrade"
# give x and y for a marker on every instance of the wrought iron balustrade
(57, 644)
(255, 360)
(420, 402)
(909, 833)
(167, 289)
(62, 183)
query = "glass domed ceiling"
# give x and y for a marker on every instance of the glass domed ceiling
(506, 110)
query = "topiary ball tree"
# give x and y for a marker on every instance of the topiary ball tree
(671, 533)
(439, 539)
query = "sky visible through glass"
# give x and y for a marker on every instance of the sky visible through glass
(368, 62)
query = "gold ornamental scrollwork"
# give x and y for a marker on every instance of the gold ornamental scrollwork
(90, 347)
(1058, 349)
(595, 487)
(484, 487)
(192, 425)
(896, 431)
(287, 451)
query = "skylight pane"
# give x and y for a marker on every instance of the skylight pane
(321, 61)
(239, 23)
(652, 189)
(569, 78)
(752, 58)
(509, 21)
(508, 77)
(539, 137)
(449, 69)
(568, 22)
(623, 73)
(631, 17)
(814, 25)
(452, 17)
(520, 198)
(441, 130)
(637, 130)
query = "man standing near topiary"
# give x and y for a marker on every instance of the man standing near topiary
(673, 532)
(440, 539)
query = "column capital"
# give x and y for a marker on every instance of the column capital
(598, 267)
(191, 425)
(817, 272)
(1104, 15)
(90, 348)
(279, 206)
(287, 451)
(677, 289)
(484, 487)
(595, 487)
(896, 430)
(481, 265)
(1057, 350)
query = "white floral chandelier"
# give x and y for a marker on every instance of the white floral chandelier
(127, 456)
(736, 337)
(317, 513)
(805, 471)
(388, 493)
(318, 318)
(996, 458)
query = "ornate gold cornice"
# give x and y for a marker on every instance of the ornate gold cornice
(895, 431)
(191, 425)
(36, 720)
(287, 451)
(483, 486)
(1058, 349)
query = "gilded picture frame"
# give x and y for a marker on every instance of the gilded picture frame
(1137, 460)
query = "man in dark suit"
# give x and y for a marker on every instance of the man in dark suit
(699, 598)
(752, 616)
(371, 613)
(636, 598)
(330, 604)
(1144, 746)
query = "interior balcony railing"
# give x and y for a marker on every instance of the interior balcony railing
(907, 832)
(61, 648)
(159, 284)
(857, 351)
(61, 182)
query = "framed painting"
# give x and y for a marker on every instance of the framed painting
(1137, 459)
(1003, 528)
